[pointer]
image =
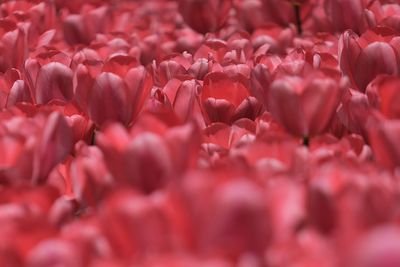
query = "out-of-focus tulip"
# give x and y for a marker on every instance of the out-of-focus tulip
(82, 28)
(378, 247)
(384, 94)
(348, 14)
(236, 224)
(144, 160)
(205, 16)
(382, 135)
(33, 148)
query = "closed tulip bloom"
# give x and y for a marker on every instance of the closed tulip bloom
(384, 94)
(205, 15)
(13, 45)
(347, 14)
(383, 136)
(117, 94)
(377, 248)
(304, 106)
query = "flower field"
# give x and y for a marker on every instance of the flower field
(200, 133)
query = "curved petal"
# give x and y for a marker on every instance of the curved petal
(54, 81)
(107, 100)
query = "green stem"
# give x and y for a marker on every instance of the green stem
(306, 141)
(93, 139)
(298, 18)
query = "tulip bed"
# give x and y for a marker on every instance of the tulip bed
(200, 133)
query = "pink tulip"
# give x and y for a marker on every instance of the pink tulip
(83, 27)
(226, 100)
(304, 106)
(363, 58)
(347, 14)
(382, 135)
(151, 149)
(13, 45)
(205, 16)
(126, 89)
(378, 247)
(33, 148)
(383, 93)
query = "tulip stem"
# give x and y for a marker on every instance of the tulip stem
(306, 141)
(93, 139)
(296, 7)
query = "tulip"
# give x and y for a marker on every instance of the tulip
(33, 148)
(152, 166)
(383, 94)
(49, 80)
(226, 100)
(304, 106)
(50, 252)
(112, 96)
(135, 224)
(382, 135)
(378, 247)
(362, 59)
(238, 222)
(347, 14)
(83, 27)
(13, 89)
(205, 16)
(354, 111)
(13, 45)
(184, 99)
(280, 12)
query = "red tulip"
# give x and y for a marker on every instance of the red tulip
(382, 135)
(346, 198)
(362, 59)
(33, 148)
(347, 14)
(13, 45)
(135, 224)
(227, 99)
(237, 223)
(86, 177)
(378, 247)
(383, 93)
(50, 252)
(83, 27)
(304, 106)
(205, 16)
(186, 101)
(354, 111)
(144, 161)
(112, 96)
(13, 89)
(280, 12)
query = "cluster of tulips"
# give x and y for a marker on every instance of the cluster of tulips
(200, 133)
